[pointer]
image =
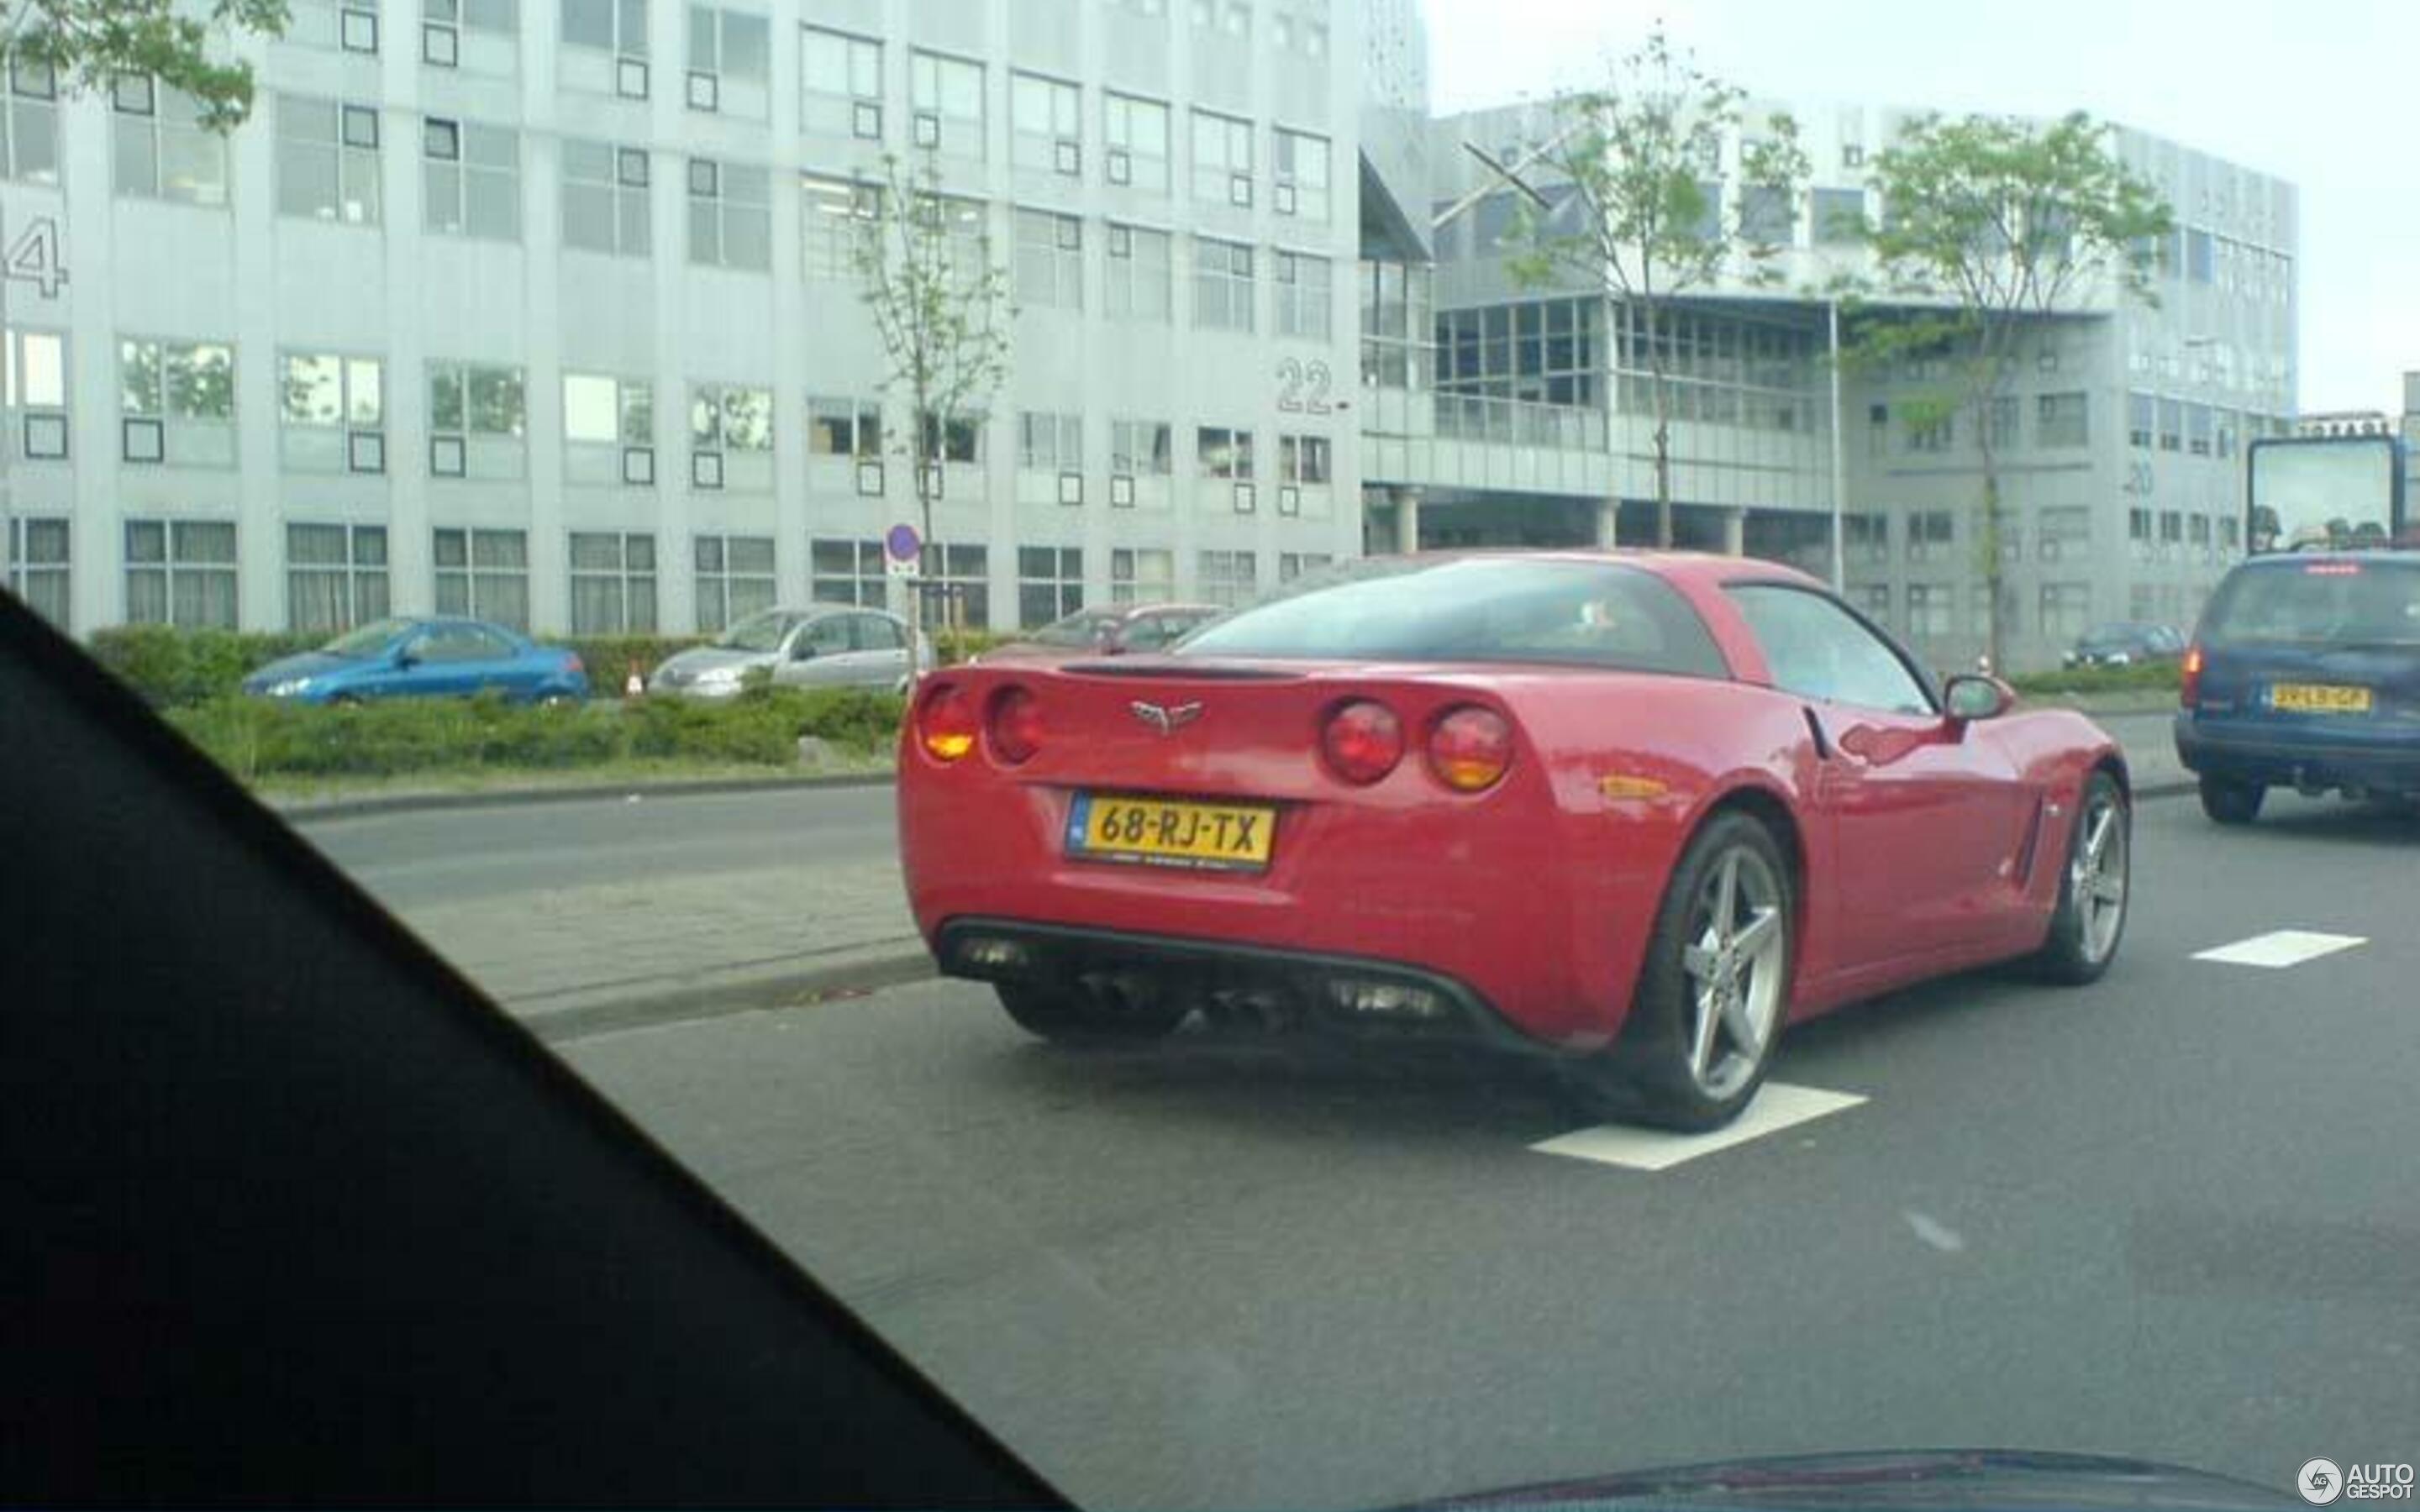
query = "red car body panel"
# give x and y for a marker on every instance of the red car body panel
(1922, 845)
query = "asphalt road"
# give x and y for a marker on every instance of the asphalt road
(2170, 1215)
(414, 859)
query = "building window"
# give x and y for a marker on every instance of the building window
(180, 573)
(2198, 531)
(835, 212)
(959, 440)
(471, 179)
(1304, 460)
(1222, 159)
(847, 572)
(609, 430)
(335, 577)
(29, 127)
(36, 552)
(1303, 295)
(1928, 536)
(2230, 534)
(2005, 422)
(2138, 527)
(474, 36)
(731, 437)
(482, 572)
(333, 411)
(2063, 419)
(2172, 426)
(1222, 452)
(1930, 609)
(605, 47)
(1049, 260)
(1049, 583)
(1139, 448)
(2067, 534)
(1768, 216)
(1874, 601)
(1137, 133)
(2198, 255)
(1934, 435)
(730, 62)
(177, 402)
(947, 96)
(735, 579)
(959, 589)
(605, 199)
(1293, 564)
(1840, 217)
(1222, 284)
(1050, 443)
(1227, 578)
(845, 428)
(2198, 430)
(347, 25)
(840, 84)
(1877, 431)
(2066, 609)
(2227, 433)
(1136, 277)
(328, 160)
(478, 415)
(2172, 526)
(36, 395)
(1866, 537)
(1299, 175)
(1045, 125)
(2139, 411)
(1142, 576)
(730, 216)
(612, 583)
(164, 150)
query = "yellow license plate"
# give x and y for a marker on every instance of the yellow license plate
(1233, 837)
(2319, 698)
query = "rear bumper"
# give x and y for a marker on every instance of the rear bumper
(2239, 754)
(1281, 988)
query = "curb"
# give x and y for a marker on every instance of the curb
(309, 812)
(796, 989)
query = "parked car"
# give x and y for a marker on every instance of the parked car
(2305, 672)
(432, 656)
(2125, 644)
(825, 645)
(1633, 814)
(1112, 631)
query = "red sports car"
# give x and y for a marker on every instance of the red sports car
(1630, 811)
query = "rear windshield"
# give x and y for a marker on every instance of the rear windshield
(2318, 603)
(1484, 609)
(1078, 630)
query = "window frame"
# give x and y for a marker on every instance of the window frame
(1733, 588)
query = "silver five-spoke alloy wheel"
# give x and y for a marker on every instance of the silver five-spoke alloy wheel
(1737, 967)
(2096, 875)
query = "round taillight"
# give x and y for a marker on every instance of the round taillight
(947, 726)
(1016, 725)
(1469, 748)
(1363, 740)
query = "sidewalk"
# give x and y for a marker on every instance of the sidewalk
(580, 960)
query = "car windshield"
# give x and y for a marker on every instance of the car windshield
(368, 639)
(762, 633)
(1080, 629)
(1487, 610)
(2114, 637)
(2369, 602)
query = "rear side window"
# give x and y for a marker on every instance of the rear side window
(1500, 609)
(2318, 603)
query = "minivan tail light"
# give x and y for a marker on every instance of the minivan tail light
(1016, 725)
(1362, 742)
(947, 726)
(1469, 748)
(2189, 678)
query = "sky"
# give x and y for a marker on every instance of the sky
(2319, 93)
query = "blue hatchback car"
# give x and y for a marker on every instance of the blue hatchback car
(2306, 673)
(424, 657)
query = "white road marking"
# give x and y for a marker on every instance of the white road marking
(1934, 1232)
(1778, 1107)
(2280, 949)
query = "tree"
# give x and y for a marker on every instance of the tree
(87, 43)
(1990, 228)
(1640, 214)
(940, 305)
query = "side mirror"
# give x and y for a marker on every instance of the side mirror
(1969, 697)
(802, 649)
(406, 658)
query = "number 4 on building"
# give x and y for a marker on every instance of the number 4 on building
(34, 258)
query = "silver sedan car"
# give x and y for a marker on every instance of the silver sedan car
(825, 645)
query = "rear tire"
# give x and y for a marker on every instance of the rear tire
(1073, 1016)
(1714, 991)
(2230, 802)
(2094, 889)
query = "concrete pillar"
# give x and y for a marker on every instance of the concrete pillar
(1407, 520)
(1734, 532)
(1608, 522)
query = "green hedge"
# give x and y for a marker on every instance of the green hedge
(2143, 676)
(178, 669)
(256, 738)
(951, 647)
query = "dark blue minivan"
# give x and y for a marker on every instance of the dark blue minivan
(2306, 673)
